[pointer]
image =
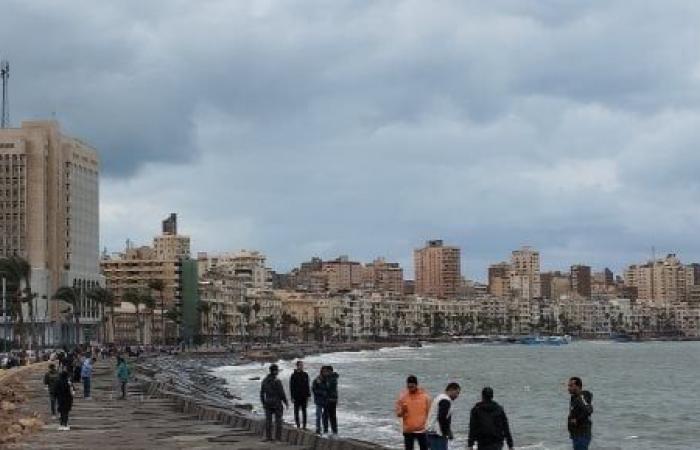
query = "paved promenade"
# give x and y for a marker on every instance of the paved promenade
(138, 423)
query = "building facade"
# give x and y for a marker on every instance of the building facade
(438, 270)
(49, 215)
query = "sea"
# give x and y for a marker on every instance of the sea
(645, 395)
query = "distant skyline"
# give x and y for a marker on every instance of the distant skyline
(304, 128)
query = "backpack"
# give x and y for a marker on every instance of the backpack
(271, 391)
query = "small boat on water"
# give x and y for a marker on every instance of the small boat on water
(545, 340)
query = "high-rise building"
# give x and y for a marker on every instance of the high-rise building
(581, 281)
(499, 279)
(662, 280)
(384, 277)
(525, 275)
(170, 245)
(49, 215)
(555, 285)
(342, 274)
(438, 270)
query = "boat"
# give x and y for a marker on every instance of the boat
(545, 340)
(415, 344)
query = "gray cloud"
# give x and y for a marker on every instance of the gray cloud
(309, 127)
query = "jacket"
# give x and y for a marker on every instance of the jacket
(299, 386)
(413, 410)
(272, 392)
(440, 416)
(580, 410)
(63, 389)
(320, 389)
(50, 379)
(333, 387)
(86, 370)
(123, 372)
(488, 425)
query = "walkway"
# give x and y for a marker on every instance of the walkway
(138, 423)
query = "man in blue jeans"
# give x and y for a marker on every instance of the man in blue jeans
(580, 410)
(86, 375)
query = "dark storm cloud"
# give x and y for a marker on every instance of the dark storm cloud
(303, 127)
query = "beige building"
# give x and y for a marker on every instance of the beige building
(499, 279)
(49, 214)
(382, 276)
(246, 266)
(342, 274)
(664, 280)
(438, 270)
(525, 272)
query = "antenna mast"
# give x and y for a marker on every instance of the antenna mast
(5, 110)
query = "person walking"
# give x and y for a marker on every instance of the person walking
(63, 388)
(50, 378)
(488, 424)
(319, 387)
(272, 397)
(580, 411)
(413, 407)
(440, 418)
(122, 375)
(86, 375)
(332, 406)
(300, 392)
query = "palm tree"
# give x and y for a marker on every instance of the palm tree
(150, 303)
(71, 295)
(103, 297)
(159, 286)
(245, 310)
(16, 270)
(136, 299)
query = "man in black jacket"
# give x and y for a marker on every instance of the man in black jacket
(580, 410)
(300, 392)
(272, 397)
(488, 424)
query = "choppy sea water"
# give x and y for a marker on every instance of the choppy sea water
(646, 395)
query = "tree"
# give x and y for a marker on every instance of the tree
(71, 295)
(17, 270)
(150, 304)
(159, 286)
(270, 321)
(245, 310)
(104, 298)
(136, 299)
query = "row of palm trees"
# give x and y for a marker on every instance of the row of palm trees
(16, 273)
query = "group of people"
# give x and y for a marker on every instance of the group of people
(75, 367)
(425, 420)
(324, 389)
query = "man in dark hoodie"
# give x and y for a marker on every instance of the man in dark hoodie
(488, 424)
(580, 410)
(320, 390)
(332, 399)
(272, 397)
(300, 392)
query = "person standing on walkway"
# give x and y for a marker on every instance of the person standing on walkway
(122, 375)
(413, 407)
(580, 410)
(63, 388)
(50, 379)
(86, 375)
(300, 392)
(488, 424)
(320, 390)
(440, 418)
(272, 397)
(331, 408)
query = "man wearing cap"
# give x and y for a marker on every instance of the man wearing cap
(272, 397)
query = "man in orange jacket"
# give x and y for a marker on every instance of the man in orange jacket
(413, 407)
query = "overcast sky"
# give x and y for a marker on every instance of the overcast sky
(305, 128)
